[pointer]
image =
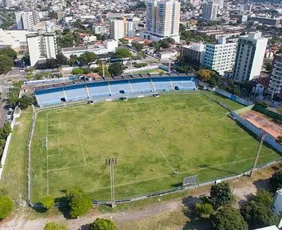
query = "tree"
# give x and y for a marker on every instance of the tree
(48, 202)
(77, 71)
(122, 53)
(205, 74)
(72, 60)
(79, 204)
(54, 226)
(220, 194)
(154, 44)
(102, 224)
(228, 218)
(6, 206)
(87, 57)
(25, 101)
(7, 51)
(6, 63)
(257, 215)
(276, 180)
(116, 68)
(62, 60)
(5, 130)
(138, 47)
(268, 66)
(204, 209)
(52, 63)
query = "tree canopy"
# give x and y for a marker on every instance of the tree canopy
(48, 202)
(228, 218)
(257, 212)
(87, 57)
(54, 226)
(276, 180)
(7, 51)
(102, 224)
(25, 101)
(77, 71)
(220, 194)
(122, 53)
(79, 202)
(62, 60)
(6, 206)
(116, 68)
(204, 209)
(6, 63)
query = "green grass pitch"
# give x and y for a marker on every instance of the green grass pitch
(151, 138)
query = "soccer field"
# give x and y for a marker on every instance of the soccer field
(150, 137)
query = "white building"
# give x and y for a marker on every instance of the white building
(275, 84)
(210, 10)
(41, 46)
(220, 57)
(26, 20)
(250, 54)
(98, 29)
(108, 46)
(163, 18)
(117, 29)
(130, 29)
(277, 204)
(16, 39)
(220, 3)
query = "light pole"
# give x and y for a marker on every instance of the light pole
(258, 153)
(112, 161)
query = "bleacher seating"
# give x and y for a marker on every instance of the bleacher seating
(141, 85)
(120, 87)
(92, 90)
(184, 83)
(49, 96)
(162, 84)
(100, 89)
(75, 93)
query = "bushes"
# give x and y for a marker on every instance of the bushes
(48, 202)
(257, 212)
(6, 206)
(140, 65)
(102, 224)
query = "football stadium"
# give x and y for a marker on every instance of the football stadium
(158, 129)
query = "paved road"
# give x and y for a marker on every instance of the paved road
(5, 83)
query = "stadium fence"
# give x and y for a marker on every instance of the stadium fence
(270, 140)
(268, 112)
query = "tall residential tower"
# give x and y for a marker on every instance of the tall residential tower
(250, 55)
(163, 18)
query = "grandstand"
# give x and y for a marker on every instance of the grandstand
(105, 89)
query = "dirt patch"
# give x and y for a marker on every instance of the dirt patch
(263, 122)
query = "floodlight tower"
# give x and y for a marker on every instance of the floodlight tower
(262, 136)
(112, 161)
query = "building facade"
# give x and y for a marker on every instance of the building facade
(117, 29)
(194, 53)
(26, 20)
(250, 54)
(162, 20)
(275, 84)
(220, 57)
(210, 10)
(41, 46)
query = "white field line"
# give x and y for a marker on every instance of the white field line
(82, 150)
(65, 168)
(188, 171)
